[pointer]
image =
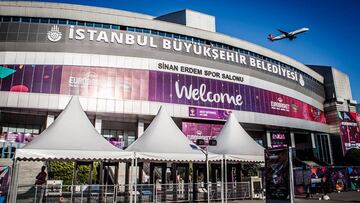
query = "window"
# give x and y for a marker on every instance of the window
(107, 26)
(130, 29)
(71, 22)
(146, 31)
(115, 27)
(98, 25)
(6, 19)
(138, 30)
(26, 20)
(44, 20)
(162, 34)
(81, 23)
(89, 24)
(154, 32)
(62, 21)
(53, 21)
(168, 35)
(15, 19)
(35, 20)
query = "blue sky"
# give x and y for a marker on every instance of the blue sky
(333, 39)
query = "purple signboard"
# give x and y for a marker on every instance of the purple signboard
(204, 131)
(199, 112)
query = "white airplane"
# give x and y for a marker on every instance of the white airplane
(289, 35)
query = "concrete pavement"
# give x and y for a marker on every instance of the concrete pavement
(334, 197)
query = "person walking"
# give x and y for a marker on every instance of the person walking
(40, 182)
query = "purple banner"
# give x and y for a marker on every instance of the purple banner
(199, 91)
(199, 112)
(145, 85)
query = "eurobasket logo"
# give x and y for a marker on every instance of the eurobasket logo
(280, 105)
(54, 34)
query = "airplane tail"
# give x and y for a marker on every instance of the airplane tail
(270, 37)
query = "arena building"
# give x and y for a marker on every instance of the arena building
(125, 65)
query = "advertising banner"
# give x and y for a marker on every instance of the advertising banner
(277, 175)
(349, 130)
(195, 131)
(227, 92)
(17, 137)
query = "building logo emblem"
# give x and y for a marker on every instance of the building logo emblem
(301, 80)
(54, 34)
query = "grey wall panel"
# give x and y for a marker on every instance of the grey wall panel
(316, 94)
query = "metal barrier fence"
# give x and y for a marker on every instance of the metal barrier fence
(181, 192)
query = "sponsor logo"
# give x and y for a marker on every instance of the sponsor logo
(54, 34)
(279, 105)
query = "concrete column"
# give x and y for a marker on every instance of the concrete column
(330, 150)
(140, 128)
(292, 139)
(268, 139)
(49, 120)
(98, 124)
(312, 135)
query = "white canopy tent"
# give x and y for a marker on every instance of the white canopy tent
(70, 137)
(164, 141)
(236, 144)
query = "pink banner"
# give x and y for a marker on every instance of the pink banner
(204, 131)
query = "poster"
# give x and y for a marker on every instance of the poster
(5, 176)
(277, 175)
(204, 131)
(279, 140)
(349, 130)
(354, 178)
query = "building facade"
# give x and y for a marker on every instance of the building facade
(125, 65)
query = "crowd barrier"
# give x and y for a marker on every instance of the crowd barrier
(182, 192)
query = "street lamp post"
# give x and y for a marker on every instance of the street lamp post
(206, 152)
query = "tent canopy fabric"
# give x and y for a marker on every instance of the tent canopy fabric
(164, 141)
(71, 137)
(236, 144)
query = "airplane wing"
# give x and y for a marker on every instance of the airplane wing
(283, 32)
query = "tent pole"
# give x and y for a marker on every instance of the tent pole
(226, 187)
(207, 175)
(222, 180)
(136, 175)
(13, 190)
(131, 179)
(73, 180)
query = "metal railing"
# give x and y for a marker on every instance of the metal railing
(177, 192)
